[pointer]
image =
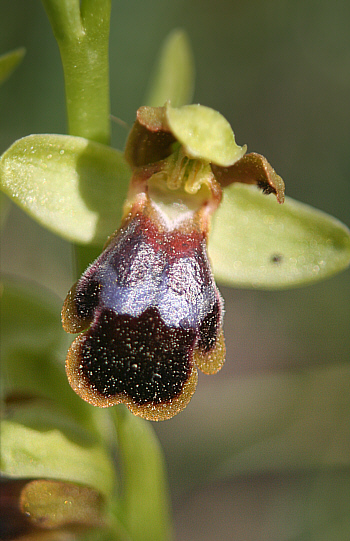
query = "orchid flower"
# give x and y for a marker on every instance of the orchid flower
(181, 207)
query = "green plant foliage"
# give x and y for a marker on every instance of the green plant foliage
(143, 464)
(72, 186)
(9, 62)
(33, 347)
(258, 243)
(173, 79)
(39, 442)
(29, 319)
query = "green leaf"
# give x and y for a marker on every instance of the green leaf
(72, 186)
(37, 441)
(174, 74)
(9, 62)
(145, 503)
(257, 243)
(205, 134)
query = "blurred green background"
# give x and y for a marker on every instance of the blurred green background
(263, 450)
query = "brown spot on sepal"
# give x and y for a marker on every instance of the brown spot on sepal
(252, 169)
(276, 259)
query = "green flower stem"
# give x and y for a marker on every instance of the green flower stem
(145, 506)
(82, 33)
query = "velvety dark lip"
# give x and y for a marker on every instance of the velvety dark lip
(150, 311)
(140, 357)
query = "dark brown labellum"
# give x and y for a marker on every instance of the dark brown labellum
(150, 312)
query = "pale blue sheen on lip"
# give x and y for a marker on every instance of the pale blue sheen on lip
(137, 271)
(174, 289)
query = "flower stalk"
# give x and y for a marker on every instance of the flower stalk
(82, 32)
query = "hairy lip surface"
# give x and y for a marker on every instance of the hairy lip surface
(150, 310)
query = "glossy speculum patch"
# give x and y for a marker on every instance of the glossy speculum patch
(150, 312)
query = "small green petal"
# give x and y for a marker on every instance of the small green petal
(205, 134)
(9, 62)
(256, 243)
(40, 442)
(174, 75)
(72, 186)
